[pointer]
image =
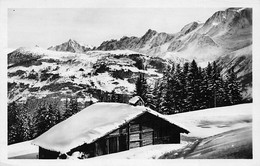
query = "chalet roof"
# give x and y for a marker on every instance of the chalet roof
(135, 99)
(89, 125)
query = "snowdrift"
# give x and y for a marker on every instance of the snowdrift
(208, 122)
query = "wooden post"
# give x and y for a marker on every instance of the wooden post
(140, 135)
(95, 149)
(153, 137)
(117, 144)
(107, 143)
(128, 136)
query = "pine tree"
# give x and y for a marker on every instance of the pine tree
(149, 97)
(234, 90)
(45, 118)
(184, 82)
(157, 96)
(113, 96)
(27, 125)
(201, 100)
(15, 129)
(40, 122)
(178, 94)
(72, 109)
(226, 99)
(141, 87)
(215, 77)
(193, 87)
(53, 116)
(208, 83)
(168, 101)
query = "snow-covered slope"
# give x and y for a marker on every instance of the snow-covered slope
(208, 122)
(37, 72)
(241, 61)
(224, 34)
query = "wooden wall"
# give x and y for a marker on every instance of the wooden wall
(142, 131)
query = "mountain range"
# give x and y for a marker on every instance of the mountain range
(226, 37)
(222, 33)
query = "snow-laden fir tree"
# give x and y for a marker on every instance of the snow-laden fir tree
(217, 85)
(193, 84)
(15, 129)
(141, 87)
(168, 83)
(234, 88)
(45, 118)
(149, 97)
(157, 95)
(71, 109)
(179, 94)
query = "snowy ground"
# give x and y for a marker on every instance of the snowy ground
(209, 122)
(24, 150)
(146, 152)
(235, 144)
(201, 124)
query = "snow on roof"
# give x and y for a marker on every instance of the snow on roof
(90, 124)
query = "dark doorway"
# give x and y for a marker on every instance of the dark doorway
(122, 143)
(112, 144)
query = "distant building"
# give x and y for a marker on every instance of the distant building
(136, 101)
(105, 128)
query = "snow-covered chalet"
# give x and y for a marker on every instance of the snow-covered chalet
(105, 128)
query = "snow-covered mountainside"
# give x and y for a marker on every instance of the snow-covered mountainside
(71, 46)
(225, 37)
(241, 61)
(223, 32)
(36, 72)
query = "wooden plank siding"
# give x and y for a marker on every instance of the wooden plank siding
(142, 131)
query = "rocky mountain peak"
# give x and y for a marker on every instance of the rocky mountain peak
(189, 27)
(150, 32)
(70, 46)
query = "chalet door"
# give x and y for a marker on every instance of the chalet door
(122, 143)
(112, 144)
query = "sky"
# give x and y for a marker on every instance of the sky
(47, 27)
